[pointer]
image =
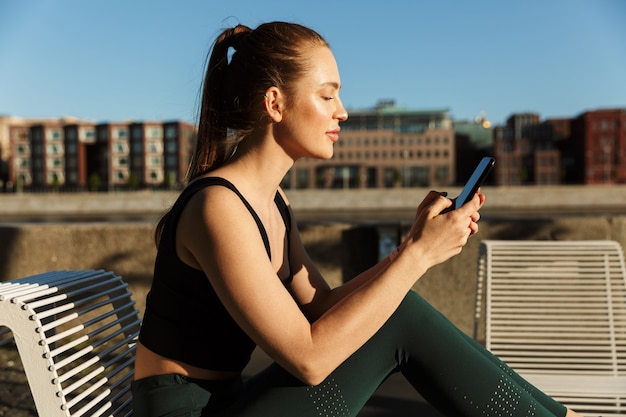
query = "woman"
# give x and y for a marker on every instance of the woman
(231, 271)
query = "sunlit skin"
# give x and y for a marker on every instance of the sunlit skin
(316, 102)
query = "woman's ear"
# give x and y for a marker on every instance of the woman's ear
(274, 104)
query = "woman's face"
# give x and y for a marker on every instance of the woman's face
(310, 123)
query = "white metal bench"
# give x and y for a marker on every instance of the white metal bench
(556, 313)
(75, 333)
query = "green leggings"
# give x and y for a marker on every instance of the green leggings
(450, 370)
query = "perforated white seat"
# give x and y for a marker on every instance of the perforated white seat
(75, 333)
(556, 313)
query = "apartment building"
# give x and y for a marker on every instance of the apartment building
(78, 155)
(18, 156)
(525, 152)
(600, 138)
(382, 148)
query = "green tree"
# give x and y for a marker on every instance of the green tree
(93, 182)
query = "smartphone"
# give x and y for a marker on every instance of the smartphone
(473, 184)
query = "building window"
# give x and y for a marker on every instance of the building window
(54, 163)
(302, 178)
(137, 147)
(442, 173)
(171, 161)
(53, 149)
(88, 134)
(136, 132)
(120, 133)
(171, 132)
(155, 147)
(121, 162)
(121, 147)
(171, 147)
(71, 135)
(54, 134)
(154, 132)
(390, 176)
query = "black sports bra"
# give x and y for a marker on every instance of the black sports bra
(184, 319)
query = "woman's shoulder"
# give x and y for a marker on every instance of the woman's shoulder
(213, 194)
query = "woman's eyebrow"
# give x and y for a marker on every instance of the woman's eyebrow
(333, 84)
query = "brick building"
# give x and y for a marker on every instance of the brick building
(76, 155)
(382, 148)
(599, 138)
(587, 149)
(525, 152)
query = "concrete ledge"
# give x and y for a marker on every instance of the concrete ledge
(129, 250)
(327, 204)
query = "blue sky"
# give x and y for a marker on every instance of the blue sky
(117, 60)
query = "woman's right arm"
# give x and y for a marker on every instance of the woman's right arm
(312, 291)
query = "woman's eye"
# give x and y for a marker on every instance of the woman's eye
(328, 98)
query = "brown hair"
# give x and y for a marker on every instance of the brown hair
(270, 55)
(243, 64)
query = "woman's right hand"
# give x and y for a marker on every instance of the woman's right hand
(435, 237)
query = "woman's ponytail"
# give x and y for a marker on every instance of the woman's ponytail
(214, 145)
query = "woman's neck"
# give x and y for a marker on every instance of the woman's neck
(258, 166)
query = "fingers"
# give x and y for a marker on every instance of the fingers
(439, 203)
(430, 198)
(473, 228)
(475, 216)
(441, 236)
(471, 210)
(473, 205)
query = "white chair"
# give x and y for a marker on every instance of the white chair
(556, 313)
(75, 333)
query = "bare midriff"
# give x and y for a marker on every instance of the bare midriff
(149, 363)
